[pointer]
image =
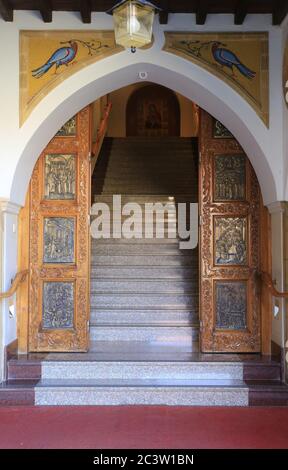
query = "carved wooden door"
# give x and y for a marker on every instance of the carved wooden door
(229, 243)
(59, 241)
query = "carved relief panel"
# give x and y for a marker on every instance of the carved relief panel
(59, 242)
(230, 235)
(58, 305)
(220, 131)
(59, 235)
(229, 244)
(60, 176)
(231, 305)
(69, 129)
(229, 177)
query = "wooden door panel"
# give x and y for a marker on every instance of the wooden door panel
(59, 241)
(230, 235)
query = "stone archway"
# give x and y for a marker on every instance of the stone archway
(196, 84)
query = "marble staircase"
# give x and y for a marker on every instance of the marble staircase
(145, 290)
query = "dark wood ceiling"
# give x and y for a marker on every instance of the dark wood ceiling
(239, 8)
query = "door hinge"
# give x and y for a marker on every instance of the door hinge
(200, 220)
(88, 325)
(200, 158)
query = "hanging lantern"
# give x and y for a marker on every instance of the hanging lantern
(133, 23)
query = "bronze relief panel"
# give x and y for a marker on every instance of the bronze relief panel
(230, 241)
(69, 129)
(231, 305)
(60, 176)
(59, 233)
(229, 178)
(220, 131)
(58, 305)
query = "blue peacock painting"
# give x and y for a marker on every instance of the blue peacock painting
(226, 58)
(62, 56)
(221, 55)
(65, 55)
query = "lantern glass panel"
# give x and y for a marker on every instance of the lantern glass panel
(133, 24)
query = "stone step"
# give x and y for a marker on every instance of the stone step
(142, 286)
(134, 358)
(137, 249)
(144, 272)
(144, 260)
(141, 300)
(121, 189)
(152, 334)
(130, 164)
(122, 186)
(142, 317)
(143, 198)
(139, 174)
(135, 241)
(141, 392)
(144, 370)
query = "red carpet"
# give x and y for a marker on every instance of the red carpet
(143, 427)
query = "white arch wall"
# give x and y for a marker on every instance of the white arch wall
(20, 148)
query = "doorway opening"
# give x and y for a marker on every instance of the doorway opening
(145, 290)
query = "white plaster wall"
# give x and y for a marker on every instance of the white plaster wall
(278, 270)
(21, 147)
(8, 238)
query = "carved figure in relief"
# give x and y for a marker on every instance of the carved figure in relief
(230, 235)
(69, 128)
(230, 178)
(60, 177)
(59, 240)
(58, 305)
(231, 305)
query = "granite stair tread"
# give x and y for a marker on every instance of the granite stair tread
(175, 383)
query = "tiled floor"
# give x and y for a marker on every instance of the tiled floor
(143, 427)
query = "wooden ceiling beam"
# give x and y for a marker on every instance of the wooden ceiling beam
(201, 13)
(46, 11)
(280, 11)
(163, 17)
(86, 11)
(240, 12)
(6, 11)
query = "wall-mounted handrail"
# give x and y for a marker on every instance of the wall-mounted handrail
(269, 283)
(18, 279)
(266, 279)
(100, 136)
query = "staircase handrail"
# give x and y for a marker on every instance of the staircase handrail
(266, 279)
(18, 279)
(100, 136)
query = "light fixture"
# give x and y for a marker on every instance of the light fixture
(133, 23)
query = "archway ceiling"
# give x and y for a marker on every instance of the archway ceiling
(240, 8)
